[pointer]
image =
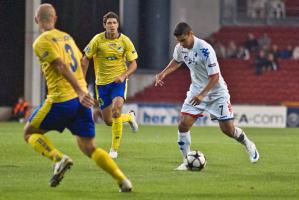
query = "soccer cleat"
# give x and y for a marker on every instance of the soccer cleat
(125, 186)
(133, 123)
(181, 167)
(252, 151)
(113, 153)
(59, 169)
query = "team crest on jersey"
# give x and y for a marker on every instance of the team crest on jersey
(87, 49)
(120, 49)
(205, 52)
(45, 54)
(66, 37)
(111, 58)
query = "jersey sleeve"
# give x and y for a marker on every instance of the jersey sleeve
(211, 62)
(91, 48)
(130, 53)
(46, 50)
(177, 54)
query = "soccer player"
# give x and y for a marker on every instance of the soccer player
(110, 51)
(67, 104)
(208, 91)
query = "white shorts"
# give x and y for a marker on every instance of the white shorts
(219, 107)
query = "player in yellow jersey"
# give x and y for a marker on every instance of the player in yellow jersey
(67, 104)
(110, 51)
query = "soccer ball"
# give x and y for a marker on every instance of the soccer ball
(195, 160)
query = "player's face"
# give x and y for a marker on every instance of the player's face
(111, 25)
(186, 41)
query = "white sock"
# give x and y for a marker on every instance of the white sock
(184, 142)
(240, 136)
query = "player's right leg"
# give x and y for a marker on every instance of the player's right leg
(104, 161)
(184, 137)
(116, 135)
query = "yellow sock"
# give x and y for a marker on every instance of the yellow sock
(104, 161)
(43, 145)
(117, 130)
(126, 117)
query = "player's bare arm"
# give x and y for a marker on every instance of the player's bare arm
(213, 80)
(171, 67)
(84, 64)
(85, 99)
(131, 69)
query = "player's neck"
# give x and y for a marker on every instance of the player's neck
(112, 36)
(191, 44)
(45, 27)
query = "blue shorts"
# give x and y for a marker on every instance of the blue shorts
(106, 93)
(69, 114)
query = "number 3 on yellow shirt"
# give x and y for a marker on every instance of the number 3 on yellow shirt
(70, 51)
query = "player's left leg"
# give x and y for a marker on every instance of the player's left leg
(42, 119)
(106, 116)
(221, 110)
(228, 128)
(50, 117)
(43, 145)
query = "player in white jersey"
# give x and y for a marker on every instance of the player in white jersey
(208, 91)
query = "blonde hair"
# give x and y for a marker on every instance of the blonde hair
(45, 13)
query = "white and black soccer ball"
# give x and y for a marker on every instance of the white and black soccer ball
(195, 160)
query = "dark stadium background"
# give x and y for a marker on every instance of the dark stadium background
(88, 22)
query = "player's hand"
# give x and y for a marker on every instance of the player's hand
(86, 100)
(159, 79)
(119, 79)
(196, 100)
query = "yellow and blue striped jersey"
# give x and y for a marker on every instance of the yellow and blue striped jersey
(50, 46)
(110, 56)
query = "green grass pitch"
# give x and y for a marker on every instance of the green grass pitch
(148, 158)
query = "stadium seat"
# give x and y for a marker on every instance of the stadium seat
(245, 87)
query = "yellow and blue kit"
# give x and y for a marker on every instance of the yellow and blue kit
(110, 56)
(61, 108)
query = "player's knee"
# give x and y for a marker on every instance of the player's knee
(108, 122)
(183, 127)
(88, 149)
(26, 133)
(116, 112)
(26, 137)
(228, 131)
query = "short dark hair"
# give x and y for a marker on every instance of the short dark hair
(182, 28)
(110, 15)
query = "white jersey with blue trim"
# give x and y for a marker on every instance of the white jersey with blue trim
(202, 62)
